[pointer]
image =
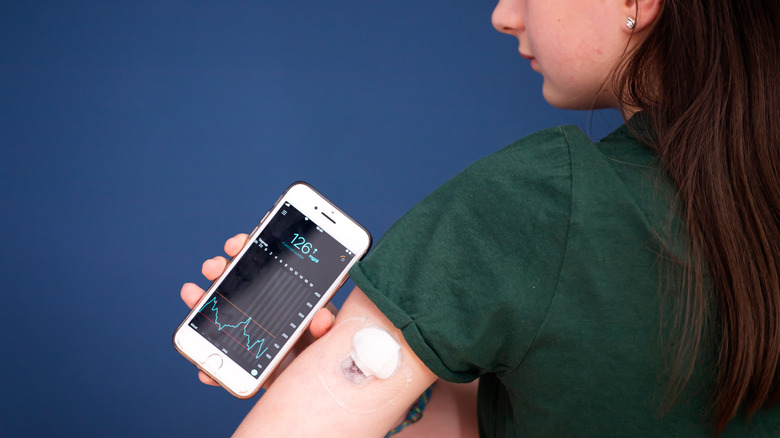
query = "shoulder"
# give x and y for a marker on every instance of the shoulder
(535, 167)
(535, 154)
(480, 254)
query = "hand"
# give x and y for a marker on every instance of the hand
(213, 268)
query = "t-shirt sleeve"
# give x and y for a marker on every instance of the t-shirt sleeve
(469, 273)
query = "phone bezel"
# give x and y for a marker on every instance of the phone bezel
(341, 227)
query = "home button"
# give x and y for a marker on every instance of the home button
(214, 362)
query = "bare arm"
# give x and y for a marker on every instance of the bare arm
(312, 398)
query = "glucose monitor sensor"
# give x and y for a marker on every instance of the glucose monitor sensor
(375, 352)
(364, 369)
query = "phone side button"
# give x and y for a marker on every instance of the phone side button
(214, 362)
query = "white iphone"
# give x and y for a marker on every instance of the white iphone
(294, 261)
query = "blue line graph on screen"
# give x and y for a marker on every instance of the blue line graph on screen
(249, 344)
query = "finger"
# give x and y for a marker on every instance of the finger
(213, 268)
(321, 323)
(206, 379)
(191, 293)
(235, 243)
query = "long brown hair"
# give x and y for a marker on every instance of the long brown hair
(708, 77)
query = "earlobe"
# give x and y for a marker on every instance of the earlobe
(641, 14)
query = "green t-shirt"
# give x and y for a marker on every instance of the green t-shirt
(537, 270)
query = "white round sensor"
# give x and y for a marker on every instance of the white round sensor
(375, 352)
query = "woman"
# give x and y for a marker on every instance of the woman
(621, 288)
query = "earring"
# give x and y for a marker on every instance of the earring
(630, 22)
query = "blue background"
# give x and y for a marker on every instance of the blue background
(137, 136)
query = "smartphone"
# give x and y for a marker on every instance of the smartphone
(294, 261)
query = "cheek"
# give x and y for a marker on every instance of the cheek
(574, 55)
(575, 51)
(575, 36)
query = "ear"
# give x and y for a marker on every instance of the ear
(643, 12)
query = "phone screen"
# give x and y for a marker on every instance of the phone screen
(271, 289)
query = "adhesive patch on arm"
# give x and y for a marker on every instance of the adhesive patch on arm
(362, 366)
(375, 352)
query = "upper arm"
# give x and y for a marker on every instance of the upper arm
(312, 396)
(470, 272)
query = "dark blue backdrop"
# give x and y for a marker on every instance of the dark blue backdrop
(137, 136)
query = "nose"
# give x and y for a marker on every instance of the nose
(508, 17)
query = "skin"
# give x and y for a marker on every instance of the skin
(575, 45)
